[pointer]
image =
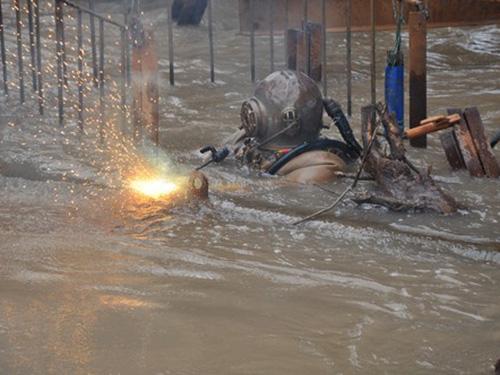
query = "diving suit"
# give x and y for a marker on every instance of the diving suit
(280, 131)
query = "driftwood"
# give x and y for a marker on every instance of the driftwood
(400, 185)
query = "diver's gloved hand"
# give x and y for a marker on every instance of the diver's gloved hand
(334, 111)
(217, 156)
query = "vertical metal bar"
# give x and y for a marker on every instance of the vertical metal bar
(101, 78)
(38, 56)
(349, 55)
(373, 54)
(285, 31)
(2, 50)
(60, 69)
(171, 44)
(63, 47)
(271, 34)
(123, 84)
(323, 49)
(93, 44)
(80, 69)
(211, 41)
(127, 42)
(252, 40)
(19, 50)
(32, 44)
(305, 4)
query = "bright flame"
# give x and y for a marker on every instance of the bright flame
(153, 187)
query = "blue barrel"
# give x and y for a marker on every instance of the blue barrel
(395, 92)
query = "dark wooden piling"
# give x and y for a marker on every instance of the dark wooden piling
(211, 41)
(145, 103)
(417, 26)
(34, 81)
(93, 45)
(36, 5)
(101, 80)
(171, 45)
(60, 80)
(314, 36)
(349, 55)
(80, 67)
(20, 64)
(2, 52)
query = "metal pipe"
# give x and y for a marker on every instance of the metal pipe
(63, 46)
(252, 41)
(323, 50)
(93, 43)
(19, 50)
(32, 44)
(305, 4)
(373, 55)
(101, 79)
(171, 45)
(349, 56)
(60, 80)
(38, 56)
(80, 68)
(211, 41)
(285, 35)
(271, 34)
(123, 84)
(2, 50)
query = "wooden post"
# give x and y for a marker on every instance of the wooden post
(417, 26)
(145, 84)
(304, 50)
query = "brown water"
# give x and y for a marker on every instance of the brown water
(94, 282)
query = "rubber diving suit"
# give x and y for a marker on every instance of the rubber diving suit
(280, 131)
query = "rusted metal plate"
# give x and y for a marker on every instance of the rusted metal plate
(466, 145)
(443, 13)
(294, 44)
(313, 52)
(476, 128)
(452, 150)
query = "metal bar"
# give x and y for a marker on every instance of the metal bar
(323, 49)
(2, 50)
(286, 32)
(211, 41)
(271, 34)
(93, 14)
(38, 56)
(171, 45)
(19, 50)
(373, 55)
(80, 68)
(93, 44)
(305, 4)
(252, 40)
(63, 47)
(60, 79)
(124, 44)
(417, 26)
(101, 79)
(349, 55)
(32, 44)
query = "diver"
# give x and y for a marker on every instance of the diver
(280, 132)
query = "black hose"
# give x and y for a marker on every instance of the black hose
(495, 140)
(334, 110)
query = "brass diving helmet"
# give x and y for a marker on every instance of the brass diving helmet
(285, 111)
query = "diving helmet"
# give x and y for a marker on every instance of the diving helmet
(285, 111)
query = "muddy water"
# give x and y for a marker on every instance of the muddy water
(93, 281)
